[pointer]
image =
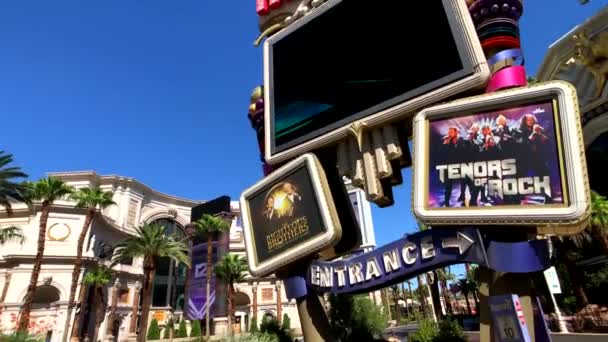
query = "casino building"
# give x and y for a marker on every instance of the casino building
(581, 58)
(136, 204)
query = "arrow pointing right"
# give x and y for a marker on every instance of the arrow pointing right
(461, 241)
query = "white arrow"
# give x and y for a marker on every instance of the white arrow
(461, 241)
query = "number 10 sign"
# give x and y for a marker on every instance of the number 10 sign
(508, 319)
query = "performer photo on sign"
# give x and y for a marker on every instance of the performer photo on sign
(285, 213)
(508, 157)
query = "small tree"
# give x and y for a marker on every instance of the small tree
(427, 332)
(196, 329)
(253, 326)
(449, 331)
(154, 331)
(286, 323)
(182, 332)
(168, 328)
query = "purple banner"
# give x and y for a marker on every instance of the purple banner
(197, 300)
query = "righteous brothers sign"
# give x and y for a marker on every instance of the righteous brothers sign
(514, 156)
(290, 215)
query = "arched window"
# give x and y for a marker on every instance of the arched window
(597, 159)
(45, 296)
(170, 278)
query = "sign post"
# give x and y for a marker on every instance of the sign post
(555, 288)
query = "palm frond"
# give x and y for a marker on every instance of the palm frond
(209, 224)
(98, 277)
(231, 268)
(92, 198)
(151, 241)
(11, 234)
(10, 188)
(47, 189)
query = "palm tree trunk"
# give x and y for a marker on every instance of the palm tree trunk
(579, 290)
(112, 314)
(7, 283)
(208, 281)
(100, 314)
(466, 299)
(230, 310)
(77, 267)
(476, 300)
(26, 309)
(149, 272)
(422, 296)
(446, 298)
(435, 296)
(75, 334)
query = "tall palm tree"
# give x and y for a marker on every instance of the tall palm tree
(9, 188)
(444, 277)
(98, 278)
(11, 234)
(231, 269)
(90, 199)
(46, 190)
(207, 226)
(395, 295)
(465, 288)
(150, 243)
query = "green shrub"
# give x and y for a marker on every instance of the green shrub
(450, 331)
(181, 331)
(153, 331)
(286, 323)
(355, 318)
(272, 327)
(253, 326)
(20, 337)
(168, 328)
(427, 332)
(196, 329)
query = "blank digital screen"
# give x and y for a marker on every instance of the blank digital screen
(357, 55)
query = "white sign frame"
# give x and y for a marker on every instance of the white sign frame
(564, 220)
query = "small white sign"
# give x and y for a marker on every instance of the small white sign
(553, 280)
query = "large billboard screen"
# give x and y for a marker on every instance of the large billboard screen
(353, 60)
(507, 156)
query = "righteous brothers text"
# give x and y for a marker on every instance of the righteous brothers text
(498, 175)
(288, 232)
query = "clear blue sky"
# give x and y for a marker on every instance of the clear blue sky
(159, 90)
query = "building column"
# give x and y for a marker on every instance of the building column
(279, 302)
(112, 315)
(135, 308)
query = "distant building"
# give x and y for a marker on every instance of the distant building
(581, 58)
(136, 204)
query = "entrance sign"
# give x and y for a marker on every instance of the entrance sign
(397, 261)
(289, 215)
(514, 157)
(508, 318)
(351, 61)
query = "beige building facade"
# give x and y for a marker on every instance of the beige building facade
(136, 204)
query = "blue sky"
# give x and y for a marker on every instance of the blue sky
(159, 90)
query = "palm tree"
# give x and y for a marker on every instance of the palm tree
(231, 269)
(11, 234)
(150, 243)
(395, 295)
(9, 189)
(89, 199)
(47, 190)
(465, 288)
(207, 226)
(473, 284)
(599, 219)
(98, 278)
(443, 278)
